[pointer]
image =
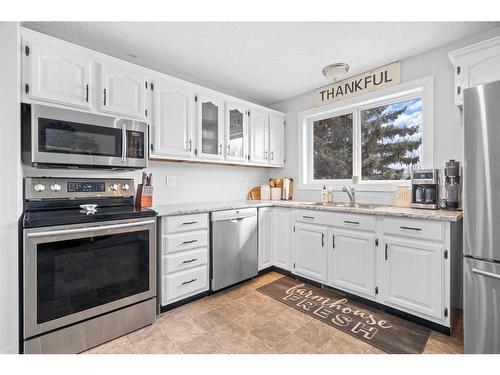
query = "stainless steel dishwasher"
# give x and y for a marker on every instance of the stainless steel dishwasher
(234, 247)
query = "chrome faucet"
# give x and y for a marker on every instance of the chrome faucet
(349, 189)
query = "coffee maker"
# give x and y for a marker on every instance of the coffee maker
(452, 185)
(425, 188)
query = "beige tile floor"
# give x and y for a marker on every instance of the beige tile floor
(243, 320)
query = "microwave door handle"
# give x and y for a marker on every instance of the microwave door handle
(124, 143)
(62, 232)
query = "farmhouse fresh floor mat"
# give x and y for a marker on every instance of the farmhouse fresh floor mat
(375, 327)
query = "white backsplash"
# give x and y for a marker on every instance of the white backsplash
(196, 182)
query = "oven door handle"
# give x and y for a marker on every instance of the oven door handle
(88, 229)
(124, 143)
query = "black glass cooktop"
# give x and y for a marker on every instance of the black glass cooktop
(50, 217)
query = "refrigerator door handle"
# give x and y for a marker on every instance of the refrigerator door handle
(487, 274)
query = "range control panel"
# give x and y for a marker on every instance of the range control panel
(36, 188)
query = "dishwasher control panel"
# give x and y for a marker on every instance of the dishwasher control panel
(233, 214)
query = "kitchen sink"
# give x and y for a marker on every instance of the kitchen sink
(347, 205)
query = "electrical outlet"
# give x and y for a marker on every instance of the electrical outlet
(171, 180)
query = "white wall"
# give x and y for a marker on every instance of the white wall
(448, 130)
(10, 187)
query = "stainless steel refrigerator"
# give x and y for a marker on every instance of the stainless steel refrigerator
(482, 219)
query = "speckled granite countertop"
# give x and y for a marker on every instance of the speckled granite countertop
(381, 210)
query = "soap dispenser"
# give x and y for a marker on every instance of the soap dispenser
(324, 194)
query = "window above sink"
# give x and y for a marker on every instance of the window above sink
(380, 137)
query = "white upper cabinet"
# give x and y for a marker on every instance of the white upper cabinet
(122, 91)
(474, 65)
(413, 275)
(351, 261)
(187, 122)
(56, 75)
(259, 136)
(236, 132)
(309, 251)
(209, 127)
(276, 140)
(172, 122)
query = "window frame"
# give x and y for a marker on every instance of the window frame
(422, 88)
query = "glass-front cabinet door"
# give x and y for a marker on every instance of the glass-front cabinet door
(236, 132)
(209, 120)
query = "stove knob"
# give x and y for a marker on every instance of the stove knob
(55, 187)
(113, 187)
(125, 187)
(39, 187)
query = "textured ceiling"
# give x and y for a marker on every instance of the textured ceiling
(259, 61)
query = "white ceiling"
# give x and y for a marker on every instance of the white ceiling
(265, 62)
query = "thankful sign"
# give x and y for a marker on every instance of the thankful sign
(373, 80)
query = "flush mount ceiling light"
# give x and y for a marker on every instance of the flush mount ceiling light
(334, 72)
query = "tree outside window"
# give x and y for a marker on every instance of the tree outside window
(391, 139)
(332, 140)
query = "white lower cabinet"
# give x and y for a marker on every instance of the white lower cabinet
(399, 262)
(351, 261)
(265, 233)
(184, 284)
(184, 257)
(412, 275)
(274, 238)
(309, 251)
(281, 243)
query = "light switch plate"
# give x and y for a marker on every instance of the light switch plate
(171, 180)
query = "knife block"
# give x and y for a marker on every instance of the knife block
(144, 198)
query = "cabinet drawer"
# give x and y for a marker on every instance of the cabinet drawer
(183, 223)
(313, 216)
(183, 284)
(355, 221)
(184, 241)
(337, 219)
(423, 229)
(184, 260)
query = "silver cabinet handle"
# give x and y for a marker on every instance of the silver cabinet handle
(189, 222)
(485, 273)
(189, 282)
(265, 155)
(190, 260)
(333, 241)
(190, 143)
(104, 97)
(351, 222)
(411, 228)
(385, 251)
(228, 148)
(89, 229)
(322, 240)
(308, 217)
(188, 242)
(272, 155)
(220, 149)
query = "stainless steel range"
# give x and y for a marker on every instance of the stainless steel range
(89, 273)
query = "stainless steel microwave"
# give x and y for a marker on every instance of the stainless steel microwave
(55, 137)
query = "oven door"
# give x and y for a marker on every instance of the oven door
(75, 272)
(72, 138)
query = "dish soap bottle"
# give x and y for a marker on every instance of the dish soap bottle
(324, 194)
